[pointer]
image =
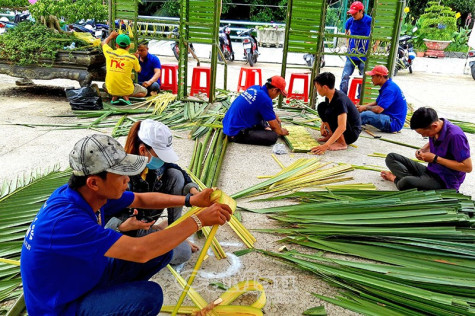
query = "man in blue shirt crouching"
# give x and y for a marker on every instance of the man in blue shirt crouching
(72, 265)
(388, 112)
(149, 77)
(251, 118)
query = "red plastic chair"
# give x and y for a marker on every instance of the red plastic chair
(169, 78)
(249, 78)
(354, 88)
(196, 86)
(306, 81)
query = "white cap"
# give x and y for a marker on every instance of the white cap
(158, 136)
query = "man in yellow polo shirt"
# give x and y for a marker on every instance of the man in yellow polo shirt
(119, 65)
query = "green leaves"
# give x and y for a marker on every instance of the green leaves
(71, 10)
(29, 43)
(20, 201)
(420, 246)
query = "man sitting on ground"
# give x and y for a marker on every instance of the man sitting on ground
(341, 124)
(72, 265)
(251, 118)
(448, 155)
(388, 112)
(149, 76)
(119, 66)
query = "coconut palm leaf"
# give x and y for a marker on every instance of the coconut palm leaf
(20, 201)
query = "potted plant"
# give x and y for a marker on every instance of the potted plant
(438, 23)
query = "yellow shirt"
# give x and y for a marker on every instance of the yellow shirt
(119, 64)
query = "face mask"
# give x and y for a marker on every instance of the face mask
(154, 163)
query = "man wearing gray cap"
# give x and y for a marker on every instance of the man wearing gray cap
(72, 265)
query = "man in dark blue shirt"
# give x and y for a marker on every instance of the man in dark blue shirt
(358, 24)
(72, 265)
(251, 118)
(149, 77)
(388, 113)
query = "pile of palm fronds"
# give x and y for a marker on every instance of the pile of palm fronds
(303, 173)
(304, 116)
(467, 127)
(208, 157)
(199, 117)
(421, 244)
(19, 203)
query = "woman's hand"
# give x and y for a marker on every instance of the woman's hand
(132, 223)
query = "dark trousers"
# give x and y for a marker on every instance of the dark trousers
(256, 135)
(411, 174)
(351, 134)
(125, 290)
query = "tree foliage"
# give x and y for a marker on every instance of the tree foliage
(14, 3)
(438, 22)
(71, 10)
(28, 43)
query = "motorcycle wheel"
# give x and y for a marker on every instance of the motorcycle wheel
(396, 69)
(410, 69)
(176, 52)
(219, 55)
(250, 60)
(473, 71)
(322, 63)
(254, 58)
(231, 58)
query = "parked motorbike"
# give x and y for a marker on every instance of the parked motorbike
(310, 59)
(176, 46)
(249, 43)
(405, 54)
(225, 43)
(98, 30)
(471, 62)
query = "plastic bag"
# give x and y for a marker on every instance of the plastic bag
(279, 149)
(85, 98)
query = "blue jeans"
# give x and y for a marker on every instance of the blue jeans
(348, 70)
(380, 121)
(124, 289)
(153, 87)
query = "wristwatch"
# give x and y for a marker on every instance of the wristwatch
(435, 159)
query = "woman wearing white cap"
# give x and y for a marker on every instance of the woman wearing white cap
(154, 140)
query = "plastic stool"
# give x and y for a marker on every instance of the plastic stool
(249, 79)
(353, 91)
(306, 80)
(196, 86)
(169, 78)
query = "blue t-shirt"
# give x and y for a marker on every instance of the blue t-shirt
(62, 257)
(392, 100)
(148, 65)
(250, 108)
(361, 27)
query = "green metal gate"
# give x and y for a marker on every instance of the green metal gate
(199, 23)
(305, 33)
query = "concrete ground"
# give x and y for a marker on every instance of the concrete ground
(437, 83)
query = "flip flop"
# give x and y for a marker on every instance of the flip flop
(125, 101)
(121, 101)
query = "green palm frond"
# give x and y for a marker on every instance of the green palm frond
(20, 201)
